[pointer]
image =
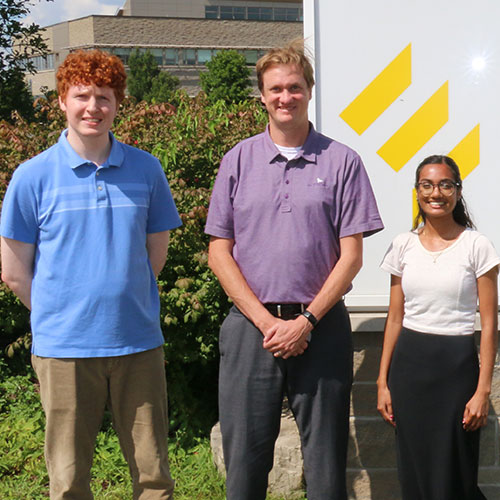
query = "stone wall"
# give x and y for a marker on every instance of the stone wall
(371, 468)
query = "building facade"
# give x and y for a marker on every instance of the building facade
(277, 10)
(183, 35)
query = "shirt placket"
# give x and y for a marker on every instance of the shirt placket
(100, 187)
(286, 191)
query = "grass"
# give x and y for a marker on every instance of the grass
(22, 467)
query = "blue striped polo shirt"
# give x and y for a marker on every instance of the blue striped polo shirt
(94, 293)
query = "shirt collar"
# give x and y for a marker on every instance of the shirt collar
(74, 160)
(308, 150)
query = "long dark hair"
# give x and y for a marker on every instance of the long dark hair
(460, 212)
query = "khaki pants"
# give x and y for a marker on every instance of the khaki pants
(74, 394)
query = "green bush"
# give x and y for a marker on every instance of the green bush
(190, 141)
(147, 82)
(227, 77)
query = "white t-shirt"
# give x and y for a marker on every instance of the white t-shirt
(440, 288)
(289, 152)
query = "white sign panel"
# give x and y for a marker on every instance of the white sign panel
(398, 81)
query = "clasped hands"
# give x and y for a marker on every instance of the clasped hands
(287, 338)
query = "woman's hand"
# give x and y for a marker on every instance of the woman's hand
(476, 412)
(384, 405)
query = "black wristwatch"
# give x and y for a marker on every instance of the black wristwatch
(310, 317)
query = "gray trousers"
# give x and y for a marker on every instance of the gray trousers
(252, 384)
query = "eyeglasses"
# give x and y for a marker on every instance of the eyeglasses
(445, 187)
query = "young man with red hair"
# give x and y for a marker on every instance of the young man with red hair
(85, 229)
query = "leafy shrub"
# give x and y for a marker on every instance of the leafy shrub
(190, 141)
(20, 415)
(227, 77)
(146, 81)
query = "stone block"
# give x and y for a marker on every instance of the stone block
(491, 492)
(371, 444)
(495, 393)
(366, 364)
(364, 399)
(489, 476)
(489, 448)
(373, 484)
(216, 447)
(372, 322)
(286, 476)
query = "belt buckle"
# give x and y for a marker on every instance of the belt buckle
(278, 310)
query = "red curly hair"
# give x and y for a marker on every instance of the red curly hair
(92, 67)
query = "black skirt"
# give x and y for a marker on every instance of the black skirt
(431, 379)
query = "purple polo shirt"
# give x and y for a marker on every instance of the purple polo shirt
(287, 217)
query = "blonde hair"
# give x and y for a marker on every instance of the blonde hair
(292, 53)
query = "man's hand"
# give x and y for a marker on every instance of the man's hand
(287, 338)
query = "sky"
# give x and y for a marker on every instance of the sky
(46, 13)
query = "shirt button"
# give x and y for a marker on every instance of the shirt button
(99, 188)
(287, 182)
(286, 196)
(97, 173)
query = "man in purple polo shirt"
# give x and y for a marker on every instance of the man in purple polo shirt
(288, 214)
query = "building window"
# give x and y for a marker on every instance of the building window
(189, 57)
(204, 55)
(122, 53)
(253, 13)
(226, 12)
(266, 14)
(171, 57)
(239, 13)
(211, 12)
(158, 55)
(251, 56)
(280, 14)
(43, 63)
(182, 57)
(294, 14)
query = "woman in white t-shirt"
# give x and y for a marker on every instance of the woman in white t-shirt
(430, 386)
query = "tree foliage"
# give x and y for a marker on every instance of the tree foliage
(146, 81)
(15, 95)
(163, 88)
(18, 42)
(227, 78)
(143, 69)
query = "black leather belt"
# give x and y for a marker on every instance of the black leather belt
(285, 311)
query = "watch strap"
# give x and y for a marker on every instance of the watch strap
(310, 317)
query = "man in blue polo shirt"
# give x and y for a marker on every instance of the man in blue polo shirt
(85, 229)
(287, 218)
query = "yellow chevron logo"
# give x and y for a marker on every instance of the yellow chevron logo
(466, 152)
(380, 94)
(424, 124)
(417, 131)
